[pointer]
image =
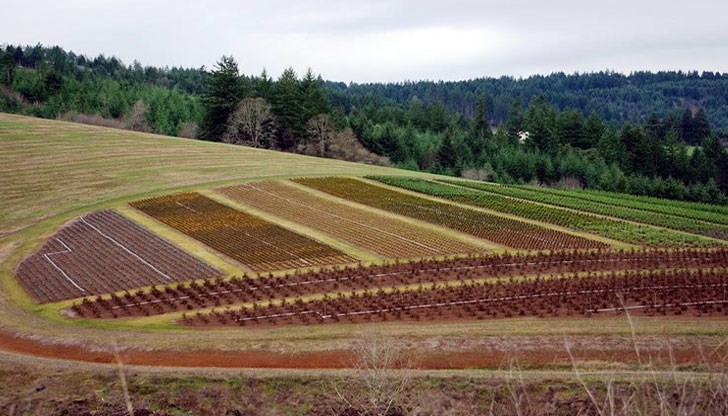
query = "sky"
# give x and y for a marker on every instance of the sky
(386, 41)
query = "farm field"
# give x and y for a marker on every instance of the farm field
(239, 290)
(252, 241)
(500, 230)
(612, 228)
(690, 220)
(651, 293)
(457, 285)
(104, 252)
(385, 236)
(694, 210)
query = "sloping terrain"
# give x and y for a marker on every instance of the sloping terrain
(521, 274)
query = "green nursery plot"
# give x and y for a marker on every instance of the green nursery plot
(677, 220)
(611, 228)
(698, 211)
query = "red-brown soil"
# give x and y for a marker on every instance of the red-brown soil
(339, 359)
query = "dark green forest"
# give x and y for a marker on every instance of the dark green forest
(655, 134)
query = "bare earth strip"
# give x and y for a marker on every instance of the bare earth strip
(387, 237)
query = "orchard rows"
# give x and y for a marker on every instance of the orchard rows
(238, 290)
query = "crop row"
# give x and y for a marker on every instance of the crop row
(386, 236)
(702, 292)
(220, 292)
(607, 227)
(696, 210)
(254, 242)
(105, 252)
(498, 229)
(567, 199)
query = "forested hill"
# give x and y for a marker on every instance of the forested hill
(615, 97)
(656, 134)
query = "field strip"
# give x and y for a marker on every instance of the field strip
(171, 317)
(63, 273)
(324, 315)
(696, 213)
(294, 227)
(674, 230)
(380, 230)
(583, 234)
(400, 273)
(123, 247)
(363, 277)
(190, 245)
(273, 246)
(466, 238)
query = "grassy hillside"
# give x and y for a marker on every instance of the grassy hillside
(52, 167)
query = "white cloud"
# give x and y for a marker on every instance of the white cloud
(390, 40)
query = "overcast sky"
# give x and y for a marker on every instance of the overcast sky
(378, 40)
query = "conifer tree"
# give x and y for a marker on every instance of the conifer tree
(224, 89)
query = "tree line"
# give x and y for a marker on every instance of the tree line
(617, 98)
(539, 144)
(494, 129)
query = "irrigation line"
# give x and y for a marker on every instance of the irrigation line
(501, 299)
(330, 280)
(68, 250)
(185, 206)
(127, 250)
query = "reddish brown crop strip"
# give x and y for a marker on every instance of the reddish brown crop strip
(701, 292)
(256, 243)
(105, 252)
(385, 236)
(501, 230)
(218, 292)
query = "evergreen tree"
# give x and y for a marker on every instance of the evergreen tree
(223, 91)
(446, 154)
(540, 122)
(676, 163)
(716, 154)
(288, 108)
(571, 130)
(641, 151)
(7, 68)
(263, 85)
(479, 133)
(314, 98)
(701, 168)
(514, 123)
(593, 131)
(701, 126)
(687, 129)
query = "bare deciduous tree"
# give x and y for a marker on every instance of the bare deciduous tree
(384, 377)
(137, 117)
(319, 131)
(344, 145)
(188, 130)
(251, 123)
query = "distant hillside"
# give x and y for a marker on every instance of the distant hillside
(615, 97)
